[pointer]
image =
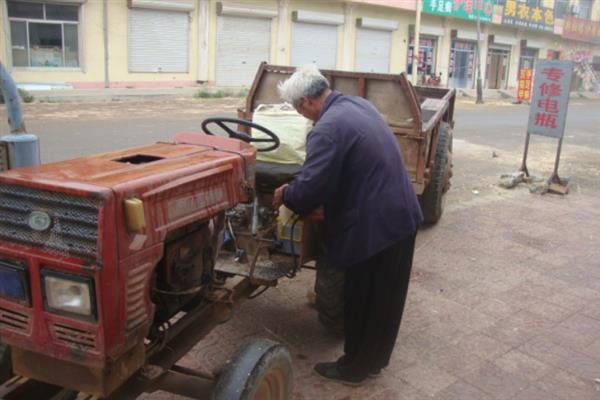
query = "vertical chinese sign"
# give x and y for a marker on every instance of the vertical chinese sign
(548, 111)
(525, 78)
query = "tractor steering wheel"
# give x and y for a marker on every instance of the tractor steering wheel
(222, 121)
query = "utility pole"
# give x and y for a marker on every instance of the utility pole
(478, 7)
(416, 44)
(105, 38)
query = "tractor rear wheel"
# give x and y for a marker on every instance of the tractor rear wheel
(432, 199)
(329, 290)
(260, 370)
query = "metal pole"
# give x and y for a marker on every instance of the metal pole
(23, 148)
(416, 48)
(12, 101)
(525, 151)
(554, 178)
(105, 33)
(479, 85)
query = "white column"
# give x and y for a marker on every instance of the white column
(8, 64)
(485, 33)
(203, 38)
(348, 44)
(444, 44)
(513, 67)
(416, 45)
(283, 40)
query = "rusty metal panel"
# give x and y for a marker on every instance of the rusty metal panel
(348, 86)
(410, 154)
(389, 98)
(3, 156)
(97, 381)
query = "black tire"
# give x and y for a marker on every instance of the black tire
(5, 363)
(329, 290)
(260, 370)
(432, 199)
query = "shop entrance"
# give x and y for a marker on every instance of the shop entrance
(497, 68)
(461, 68)
(528, 57)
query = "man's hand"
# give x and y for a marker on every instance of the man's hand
(278, 196)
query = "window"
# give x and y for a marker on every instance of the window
(426, 56)
(596, 63)
(585, 9)
(44, 35)
(560, 8)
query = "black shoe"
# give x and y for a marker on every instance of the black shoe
(329, 370)
(376, 373)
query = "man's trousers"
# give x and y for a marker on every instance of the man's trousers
(375, 292)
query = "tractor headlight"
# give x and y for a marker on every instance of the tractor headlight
(14, 283)
(68, 294)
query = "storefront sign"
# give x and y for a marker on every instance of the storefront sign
(525, 78)
(548, 111)
(526, 16)
(581, 29)
(465, 9)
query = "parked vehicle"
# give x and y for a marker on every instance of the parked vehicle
(112, 266)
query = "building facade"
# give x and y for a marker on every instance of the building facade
(174, 43)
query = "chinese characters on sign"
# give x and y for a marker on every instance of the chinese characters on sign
(466, 9)
(551, 86)
(526, 16)
(525, 78)
(580, 29)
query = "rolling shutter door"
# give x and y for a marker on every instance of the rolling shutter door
(314, 43)
(373, 50)
(242, 44)
(158, 40)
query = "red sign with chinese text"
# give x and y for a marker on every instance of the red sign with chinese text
(551, 87)
(525, 79)
(583, 30)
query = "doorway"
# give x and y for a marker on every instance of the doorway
(497, 68)
(462, 63)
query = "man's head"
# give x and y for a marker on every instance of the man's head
(306, 90)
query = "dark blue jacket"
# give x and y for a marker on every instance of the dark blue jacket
(354, 169)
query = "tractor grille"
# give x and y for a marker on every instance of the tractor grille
(74, 227)
(78, 338)
(14, 320)
(137, 313)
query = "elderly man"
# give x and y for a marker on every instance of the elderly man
(354, 169)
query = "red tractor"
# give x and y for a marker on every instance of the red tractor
(112, 267)
(106, 260)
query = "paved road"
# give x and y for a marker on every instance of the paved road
(504, 298)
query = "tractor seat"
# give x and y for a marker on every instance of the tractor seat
(272, 175)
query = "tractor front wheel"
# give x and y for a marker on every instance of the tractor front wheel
(260, 370)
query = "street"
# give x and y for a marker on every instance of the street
(503, 302)
(497, 127)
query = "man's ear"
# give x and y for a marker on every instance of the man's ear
(312, 103)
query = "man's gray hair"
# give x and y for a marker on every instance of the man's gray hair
(306, 81)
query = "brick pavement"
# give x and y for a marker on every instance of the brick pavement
(504, 304)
